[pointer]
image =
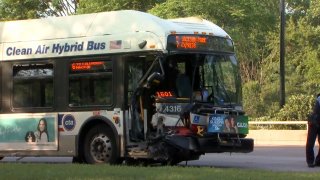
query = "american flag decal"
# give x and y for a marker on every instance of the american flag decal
(60, 116)
(115, 44)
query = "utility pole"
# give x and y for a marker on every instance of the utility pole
(282, 53)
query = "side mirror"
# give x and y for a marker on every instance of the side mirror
(155, 79)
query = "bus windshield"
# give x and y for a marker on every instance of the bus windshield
(203, 77)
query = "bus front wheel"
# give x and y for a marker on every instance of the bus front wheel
(100, 146)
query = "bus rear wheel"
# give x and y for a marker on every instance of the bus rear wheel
(100, 146)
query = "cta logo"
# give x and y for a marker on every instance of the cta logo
(68, 122)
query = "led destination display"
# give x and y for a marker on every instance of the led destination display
(199, 42)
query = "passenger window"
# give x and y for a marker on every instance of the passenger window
(90, 83)
(32, 85)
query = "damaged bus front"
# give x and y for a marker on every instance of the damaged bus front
(191, 100)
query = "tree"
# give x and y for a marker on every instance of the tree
(297, 8)
(88, 6)
(302, 58)
(313, 15)
(60, 7)
(21, 9)
(29, 9)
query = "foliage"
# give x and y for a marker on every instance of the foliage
(28, 9)
(88, 6)
(60, 7)
(301, 61)
(21, 9)
(253, 105)
(297, 108)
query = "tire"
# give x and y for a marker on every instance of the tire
(174, 162)
(77, 160)
(1, 158)
(100, 146)
(171, 162)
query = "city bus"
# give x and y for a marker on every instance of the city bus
(120, 86)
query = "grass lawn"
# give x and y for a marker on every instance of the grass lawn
(82, 171)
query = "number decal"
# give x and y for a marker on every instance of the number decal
(167, 108)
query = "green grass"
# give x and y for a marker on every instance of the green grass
(81, 171)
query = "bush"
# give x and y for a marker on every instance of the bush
(253, 106)
(297, 108)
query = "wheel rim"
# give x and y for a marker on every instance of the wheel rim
(101, 148)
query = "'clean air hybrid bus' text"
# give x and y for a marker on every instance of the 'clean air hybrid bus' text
(56, 48)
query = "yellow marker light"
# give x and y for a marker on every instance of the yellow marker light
(156, 81)
(204, 33)
(173, 32)
(152, 46)
(200, 130)
(196, 32)
(116, 119)
(211, 34)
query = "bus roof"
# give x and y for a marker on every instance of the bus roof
(98, 33)
(97, 24)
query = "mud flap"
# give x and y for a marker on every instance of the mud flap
(183, 148)
(183, 142)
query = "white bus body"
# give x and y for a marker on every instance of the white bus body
(102, 84)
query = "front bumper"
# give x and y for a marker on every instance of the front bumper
(212, 144)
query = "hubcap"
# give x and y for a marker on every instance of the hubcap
(100, 148)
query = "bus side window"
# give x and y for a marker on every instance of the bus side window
(32, 85)
(90, 83)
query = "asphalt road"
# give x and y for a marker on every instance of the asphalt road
(274, 158)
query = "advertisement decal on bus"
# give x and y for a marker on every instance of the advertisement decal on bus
(28, 132)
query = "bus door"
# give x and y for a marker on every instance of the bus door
(134, 72)
(139, 99)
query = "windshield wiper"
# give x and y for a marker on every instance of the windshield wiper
(225, 92)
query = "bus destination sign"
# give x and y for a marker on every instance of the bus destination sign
(90, 66)
(83, 66)
(199, 42)
(190, 42)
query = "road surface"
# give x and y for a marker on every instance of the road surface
(275, 158)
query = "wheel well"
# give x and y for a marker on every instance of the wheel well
(90, 123)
